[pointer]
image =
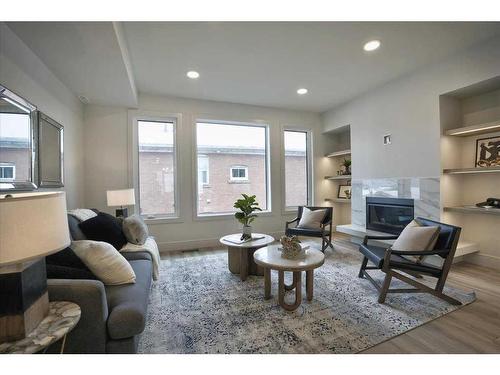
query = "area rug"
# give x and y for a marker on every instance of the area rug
(198, 306)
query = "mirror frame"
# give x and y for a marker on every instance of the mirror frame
(44, 120)
(24, 185)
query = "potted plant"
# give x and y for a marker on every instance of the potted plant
(347, 165)
(247, 206)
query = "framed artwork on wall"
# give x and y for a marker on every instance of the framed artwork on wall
(488, 152)
(344, 192)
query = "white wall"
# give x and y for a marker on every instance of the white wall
(107, 142)
(22, 72)
(408, 108)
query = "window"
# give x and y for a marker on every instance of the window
(7, 172)
(297, 175)
(203, 168)
(239, 173)
(157, 168)
(240, 150)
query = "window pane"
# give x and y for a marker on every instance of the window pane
(15, 146)
(296, 178)
(237, 159)
(156, 168)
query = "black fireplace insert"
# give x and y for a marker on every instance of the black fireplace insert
(388, 215)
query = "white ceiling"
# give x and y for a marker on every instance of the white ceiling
(250, 63)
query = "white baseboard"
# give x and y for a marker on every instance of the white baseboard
(483, 260)
(198, 244)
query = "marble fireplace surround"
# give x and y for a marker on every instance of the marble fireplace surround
(423, 190)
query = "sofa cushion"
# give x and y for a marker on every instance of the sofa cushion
(127, 304)
(67, 258)
(74, 229)
(135, 229)
(56, 271)
(104, 227)
(104, 261)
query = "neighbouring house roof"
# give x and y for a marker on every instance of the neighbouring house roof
(217, 150)
(18, 143)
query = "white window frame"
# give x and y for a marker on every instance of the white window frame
(310, 167)
(238, 179)
(175, 119)
(11, 166)
(216, 120)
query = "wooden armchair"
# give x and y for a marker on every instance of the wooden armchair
(325, 232)
(394, 263)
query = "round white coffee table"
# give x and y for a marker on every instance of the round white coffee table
(269, 258)
(240, 256)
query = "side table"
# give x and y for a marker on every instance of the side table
(240, 256)
(63, 317)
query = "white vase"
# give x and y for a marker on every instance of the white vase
(247, 231)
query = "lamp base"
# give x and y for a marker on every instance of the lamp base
(122, 212)
(25, 301)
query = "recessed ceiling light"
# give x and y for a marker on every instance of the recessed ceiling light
(193, 74)
(302, 91)
(372, 45)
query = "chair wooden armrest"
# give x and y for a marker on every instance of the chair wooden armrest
(389, 237)
(416, 253)
(291, 222)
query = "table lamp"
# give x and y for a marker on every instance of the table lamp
(120, 198)
(32, 225)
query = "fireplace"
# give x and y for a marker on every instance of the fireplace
(388, 215)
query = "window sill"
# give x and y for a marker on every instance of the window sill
(162, 220)
(238, 182)
(226, 216)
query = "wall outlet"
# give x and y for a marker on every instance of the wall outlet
(387, 139)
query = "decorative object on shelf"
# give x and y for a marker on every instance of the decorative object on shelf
(120, 198)
(490, 203)
(32, 225)
(488, 152)
(247, 206)
(344, 192)
(347, 166)
(291, 248)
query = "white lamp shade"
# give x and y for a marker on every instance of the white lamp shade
(32, 225)
(124, 197)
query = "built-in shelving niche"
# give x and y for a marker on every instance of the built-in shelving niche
(466, 115)
(337, 144)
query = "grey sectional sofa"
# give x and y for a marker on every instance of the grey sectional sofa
(112, 316)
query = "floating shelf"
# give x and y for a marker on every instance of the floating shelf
(341, 177)
(474, 129)
(338, 153)
(473, 210)
(337, 200)
(472, 170)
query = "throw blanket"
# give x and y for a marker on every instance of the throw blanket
(152, 248)
(82, 214)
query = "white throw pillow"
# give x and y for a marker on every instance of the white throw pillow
(311, 219)
(416, 237)
(104, 261)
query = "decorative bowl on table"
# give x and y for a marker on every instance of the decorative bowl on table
(291, 248)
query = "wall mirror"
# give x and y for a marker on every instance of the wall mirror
(50, 152)
(18, 164)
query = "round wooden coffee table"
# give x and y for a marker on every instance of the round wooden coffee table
(269, 258)
(240, 256)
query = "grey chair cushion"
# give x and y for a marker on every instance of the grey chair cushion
(135, 229)
(128, 304)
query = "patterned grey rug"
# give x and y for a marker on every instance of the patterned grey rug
(198, 306)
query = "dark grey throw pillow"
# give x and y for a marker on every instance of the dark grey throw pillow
(135, 229)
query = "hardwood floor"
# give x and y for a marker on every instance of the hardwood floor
(474, 328)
